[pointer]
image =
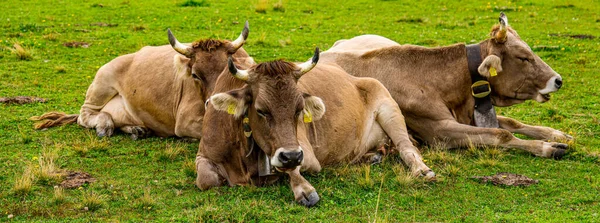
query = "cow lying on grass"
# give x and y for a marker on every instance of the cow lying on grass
(280, 107)
(433, 87)
(146, 92)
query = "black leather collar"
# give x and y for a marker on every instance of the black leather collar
(480, 89)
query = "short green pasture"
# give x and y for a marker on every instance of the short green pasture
(61, 44)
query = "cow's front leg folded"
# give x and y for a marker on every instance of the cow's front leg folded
(536, 132)
(304, 193)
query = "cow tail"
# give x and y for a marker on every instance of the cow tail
(52, 119)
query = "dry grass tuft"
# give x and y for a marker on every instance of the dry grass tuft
(146, 201)
(403, 177)
(22, 53)
(366, 181)
(138, 28)
(279, 6)
(23, 185)
(451, 171)
(172, 152)
(48, 173)
(59, 195)
(92, 201)
(261, 6)
(189, 168)
(51, 36)
(60, 69)
(487, 162)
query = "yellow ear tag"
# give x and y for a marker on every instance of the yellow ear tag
(493, 71)
(231, 109)
(307, 116)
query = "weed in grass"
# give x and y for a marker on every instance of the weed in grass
(494, 153)
(189, 168)
(366, 181)
(25, 138)
(22, 53)
(171, 152)
(59, 195)
(137, 28)
(48, 173)
(487, 162)
(451, 171)
(440, 156)
(192, 3)
(403, 177)
(285, 42)
(146, 201)
(261, 40)
(51, 36)
(24, 183)
(92, 201)
(278, 6)
(60, 69)
(261, 6)
(96, 143)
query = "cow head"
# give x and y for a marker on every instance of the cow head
(274, 106)
(206, 59)
(518, 74)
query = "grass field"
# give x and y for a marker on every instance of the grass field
(152, 179)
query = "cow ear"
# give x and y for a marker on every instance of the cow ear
(490, 66)
(233, 102)
(314, 108)
(181, 64)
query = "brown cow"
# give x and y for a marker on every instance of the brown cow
(155, 89)
(277, 108)
(433, 87)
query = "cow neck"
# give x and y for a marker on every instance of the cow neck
(484, 113)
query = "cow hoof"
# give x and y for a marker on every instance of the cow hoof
(560, 146)
(104, 132)
(558, 154)
(310, 200)
(138, 133)
(429, 175)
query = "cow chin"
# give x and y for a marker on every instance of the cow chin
(279, 165)
(541, 98)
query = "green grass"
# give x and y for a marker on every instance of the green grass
(158, 173)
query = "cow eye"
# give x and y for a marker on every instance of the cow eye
(523, 59)
(262, 113)
(195, 76)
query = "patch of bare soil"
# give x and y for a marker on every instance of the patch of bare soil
(22, 100)
(75, 179)
(76, 44)
(102, 24)
(507, 179)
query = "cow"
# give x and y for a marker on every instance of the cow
(435, 91)
(276, 114)
(155, 90)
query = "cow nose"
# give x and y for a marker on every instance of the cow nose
(558, 82)
(291, 159)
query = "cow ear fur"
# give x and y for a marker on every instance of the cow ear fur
(313, 107)
(490, 61)
(233, 102)
(180, 63)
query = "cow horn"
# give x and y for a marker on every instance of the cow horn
(177, 46)
(237, 43)
(239, 74)
(308, 65)
(501, 34)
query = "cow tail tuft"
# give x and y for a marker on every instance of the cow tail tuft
(52, 119)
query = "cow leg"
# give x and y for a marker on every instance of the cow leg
(98, 94)
(536, 132)
(136, 132)
(304, 193)
(460, 135)
(392, 121)
(207, 174)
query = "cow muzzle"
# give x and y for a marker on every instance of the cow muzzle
(286, 159)
(553, 85)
